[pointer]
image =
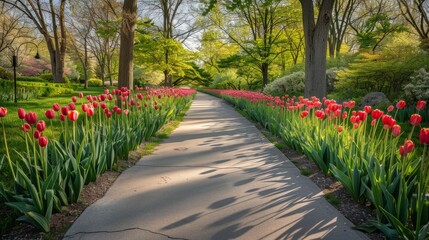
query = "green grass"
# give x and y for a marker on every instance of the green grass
(332, 199)
(40, 105)
(305, 171)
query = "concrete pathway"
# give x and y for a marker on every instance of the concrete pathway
(216, 178)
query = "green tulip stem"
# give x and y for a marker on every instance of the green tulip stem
(7, 151)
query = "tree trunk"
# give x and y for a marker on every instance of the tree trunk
(85, 68)
(264, 70)
(129, 13)
(316, 37)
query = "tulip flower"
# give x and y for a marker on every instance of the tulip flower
(351, 104)
(56, 107)
(73, 115)
(41, 126)
(43, 141)
(90, 112)
(340, 129)
(157, 107)
(362, 115)
(420, 105)
(408, 146)
(126, 111)
(65, 110)
(74, 99)
(415, 119)
(3, 112)
(103, 105)
(50, 114)
(95, 104)
(84, 107)
(37, 134)
(21, 113)
(376, 114)
(304, 114)
(106, 91)
(72, 106)
(80, 95)
(402, 151)
(396, 130)
(62, 117)
(424, 136)
(367, 109)
(31, 118)
(108, 114)
(390, 108)
(26, 127)
(401, 104)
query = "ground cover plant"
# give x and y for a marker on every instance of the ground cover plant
(366, 150)
(95, 131)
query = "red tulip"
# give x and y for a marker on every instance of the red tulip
(50, 114)
(118, 111)
(157, 107)
(344, 115)
(31, 117)
(408, 146)
(424, 136)
(21, 113)
(106, 91)
(415, 119)
(367, 109)
(340, 129)
(362, 115)
(72, 106)
(3, 112)
(74, 99)
(388, 121)
(103, 105)
(108, 114)
(110, 97)
(356, 125)
(90, 112)
(351, 104)
(41, 126)
(319, 114)
(37, 134)
(43, 141)
(65, 110)
(373, 122)
(402, 151)
(81, 95)
(420, 105)
(396, 130)
(73, 115)
(390, 108)
(376, 114)
(102, 97)
(304, 114)
(401, 104)
(95, 104)
(89, 98)
(56, 107)
(26, 127)
(126, 111)
(140, 96)
(62, 117)
(84, 107)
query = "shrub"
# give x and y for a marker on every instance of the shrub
(47, 77)
(30, 79)
(5, 74)
(95, 82)
(418, 88)
(292, 84)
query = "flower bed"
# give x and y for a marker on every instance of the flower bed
(96, 131)
(362, 149)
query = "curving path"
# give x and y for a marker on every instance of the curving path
(217, 177)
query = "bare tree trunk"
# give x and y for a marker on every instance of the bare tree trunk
(129, 15)
(316, 36)
(264, 70)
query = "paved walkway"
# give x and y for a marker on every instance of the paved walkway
(216, 177)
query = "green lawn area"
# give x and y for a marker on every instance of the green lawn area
(40, 105)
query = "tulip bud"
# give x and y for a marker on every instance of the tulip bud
(21, 113)
(74, 99)
(26, 127)
(401, 104)
(390, 108)
(424, 136)
(50, 114)
(31, 118)
(396, 130)
(37, 134)
(3, 112)
(56, 107)
(43, 141)
(65, 110)
(304, 114)
(41, 126)
(415, 119)
(420, 105)
(73, 115)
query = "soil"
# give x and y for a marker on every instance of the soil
(357, 213)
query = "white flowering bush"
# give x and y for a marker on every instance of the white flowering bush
(418, 88)
(292, 84)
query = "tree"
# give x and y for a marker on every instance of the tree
(257, 29)
(12, 27)
(129, 18)
(49, 20)
(316, 36)
(341, 17)
(416, 13)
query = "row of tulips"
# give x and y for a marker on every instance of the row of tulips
(52, 172)
(361, 148)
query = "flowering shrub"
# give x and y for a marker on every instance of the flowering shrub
(290, 84)
(360, 148)
(96, 131)
(418, 89)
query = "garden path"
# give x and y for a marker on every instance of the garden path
(216, 177)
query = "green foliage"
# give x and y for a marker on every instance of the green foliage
(385, 72)
(227, 80)
(95, 82)
(30, 79)
(5, 74)
(292, 84)
(47, 77)
(418, 88)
